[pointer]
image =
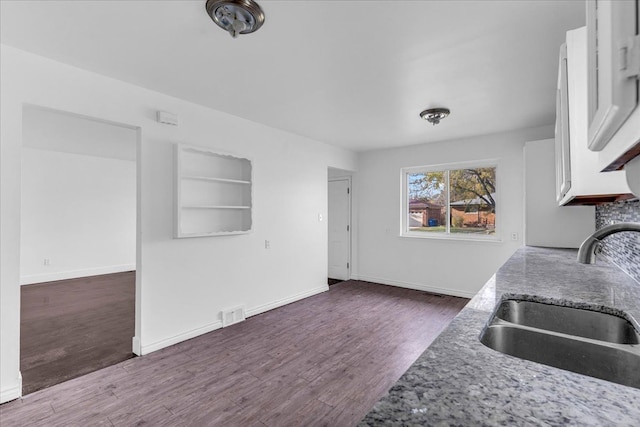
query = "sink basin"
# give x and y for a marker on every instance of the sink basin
(587, 342)
(568, 320)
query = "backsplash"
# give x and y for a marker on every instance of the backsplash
(622, 248)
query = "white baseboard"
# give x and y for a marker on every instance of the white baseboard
(284, 301)
(12, 393)
(72, 274)
(135, 346)
(148, 348)
(417, 286)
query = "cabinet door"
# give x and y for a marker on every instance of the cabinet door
(612, 91)
(563, 156)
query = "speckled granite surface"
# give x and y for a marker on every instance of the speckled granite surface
(458, 381)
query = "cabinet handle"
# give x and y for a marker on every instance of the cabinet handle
(629, 57)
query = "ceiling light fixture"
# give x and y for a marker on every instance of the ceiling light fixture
(434, 115)
(236, 16)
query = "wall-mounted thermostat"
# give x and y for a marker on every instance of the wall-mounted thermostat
(167, 118)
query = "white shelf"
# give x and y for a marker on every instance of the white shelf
(207, 178)
(214, 207)
(214, 233)
(213, 193)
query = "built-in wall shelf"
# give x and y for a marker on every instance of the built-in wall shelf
(212, 193)
(214, 207)
(206, 178)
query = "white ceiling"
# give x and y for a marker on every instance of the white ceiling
(355, 74)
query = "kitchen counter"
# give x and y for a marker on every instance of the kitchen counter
(459, 381)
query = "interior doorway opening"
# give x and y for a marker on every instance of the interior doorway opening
(79, 245)
(339, 226)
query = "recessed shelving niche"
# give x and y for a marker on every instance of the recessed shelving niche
(212, 193)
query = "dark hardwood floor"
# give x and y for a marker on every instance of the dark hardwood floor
(322, 361)
(69, 328)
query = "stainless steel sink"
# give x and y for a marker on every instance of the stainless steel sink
(587, 342)
(568, 320)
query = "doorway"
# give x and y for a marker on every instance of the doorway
(339, 225)
(78, 245)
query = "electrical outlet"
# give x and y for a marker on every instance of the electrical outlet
(47, 261)
(514, 236)
(267, 244)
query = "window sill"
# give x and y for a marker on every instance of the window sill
(487, 239)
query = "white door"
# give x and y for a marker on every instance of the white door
(339, 223)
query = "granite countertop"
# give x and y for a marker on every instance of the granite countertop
(459, 381)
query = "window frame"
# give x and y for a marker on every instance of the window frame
(447, 235)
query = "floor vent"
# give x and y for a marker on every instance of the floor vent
(233, 315)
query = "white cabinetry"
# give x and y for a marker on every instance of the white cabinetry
(563, 164)
(613, 69)
(212, 193)
(587, 184)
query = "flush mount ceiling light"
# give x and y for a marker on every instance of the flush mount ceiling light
(434, 115)
(236, 16)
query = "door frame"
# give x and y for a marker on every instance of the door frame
(135, 344)
(347, 178)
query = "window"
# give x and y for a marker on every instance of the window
(450, 201)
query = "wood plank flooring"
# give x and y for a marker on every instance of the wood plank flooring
(69, 328)
(322, 361)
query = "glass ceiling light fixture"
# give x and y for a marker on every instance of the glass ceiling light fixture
(434, 115)
(236, 16)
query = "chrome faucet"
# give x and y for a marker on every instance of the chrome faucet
(587, 251)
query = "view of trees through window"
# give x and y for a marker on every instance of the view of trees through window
(452, 201)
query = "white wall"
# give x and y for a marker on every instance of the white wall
(182, 284)
(446, 266)
(339, 173)
(546, 223)
(79, 212)
(69, 133)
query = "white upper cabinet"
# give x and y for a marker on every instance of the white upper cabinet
(562, 146)
(613, 69)
(579, 179)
